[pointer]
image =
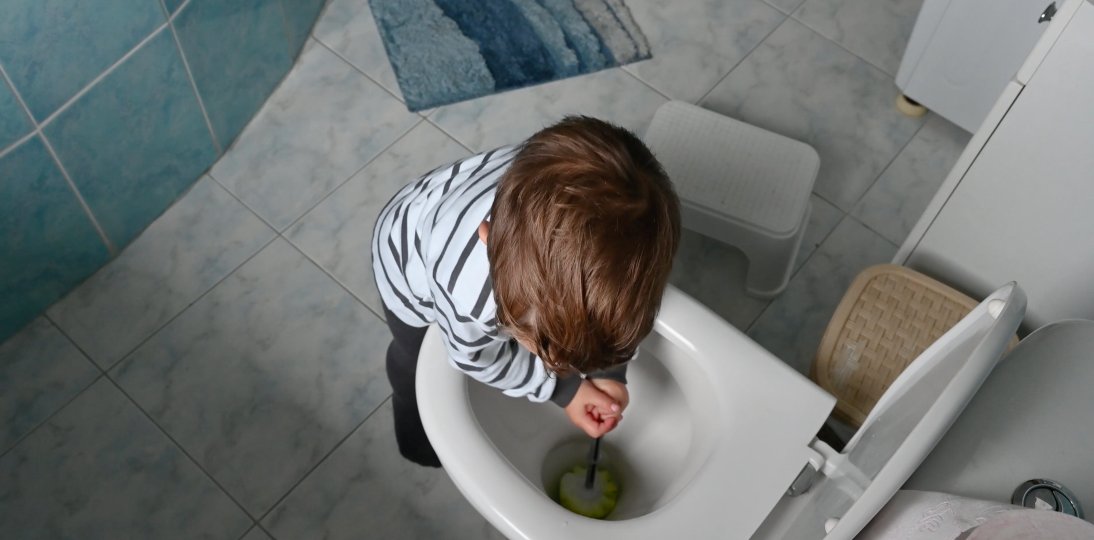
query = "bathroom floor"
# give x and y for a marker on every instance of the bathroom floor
(223, 377)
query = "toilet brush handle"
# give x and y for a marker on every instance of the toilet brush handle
(594, 456)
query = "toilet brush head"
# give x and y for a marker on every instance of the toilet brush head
(595, 502)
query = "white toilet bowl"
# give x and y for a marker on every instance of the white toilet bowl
(716, 432)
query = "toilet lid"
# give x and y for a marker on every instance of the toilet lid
(909, 419)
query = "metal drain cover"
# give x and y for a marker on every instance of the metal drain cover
(1044, 494)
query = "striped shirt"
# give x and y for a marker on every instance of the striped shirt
(431, 267)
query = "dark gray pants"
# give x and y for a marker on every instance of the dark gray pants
(402, 364)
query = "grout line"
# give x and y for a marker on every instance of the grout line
(263, 529)
(743, 58)
(825, 199)
(891, 76)
(846, 216)
(113, 67)
(46, 420)
(780, 10)
(361, 71)
(158, 329)
(334, 278)
(871, 229)
(110, 248)
(177, 445)
(15, 444)
(190, 77)
(240, 201)
(449, 135)
(350, 177)
(87, 87)
(884, 169)
(333, 189)
(23, 106)
(255, 117)
(69, 338)
(103, 374)
(18, 142)
(321, 461)
(644, 83)
(254, 525)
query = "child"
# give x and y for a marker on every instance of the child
(540, 263)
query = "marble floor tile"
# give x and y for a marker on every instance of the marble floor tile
(801, 85)
(100, 469)
(786, 6)
(256, 534)
(337, 234)
(322, 124)
(187, 250)
(366, 489)
(823, 218)
(40, 371)
(714, 274)
(894, 203)
(875, 30)
(696, 43)
(791, 327)
(347, 27)
(260, 378)
(510, 117)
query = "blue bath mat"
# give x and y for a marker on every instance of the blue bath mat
(445, 51)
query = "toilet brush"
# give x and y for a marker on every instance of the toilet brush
(589, 490)
(594, 455)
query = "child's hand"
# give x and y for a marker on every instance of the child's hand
(594, 411)
(615, 390)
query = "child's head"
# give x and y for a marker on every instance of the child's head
(582, 235)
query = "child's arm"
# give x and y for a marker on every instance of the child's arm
(503, 364)
(506, 365)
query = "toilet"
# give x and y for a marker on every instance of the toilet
(719, 439)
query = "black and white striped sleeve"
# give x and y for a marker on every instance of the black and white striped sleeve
(463, 303)
(503, 364)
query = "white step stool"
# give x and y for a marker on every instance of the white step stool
(739, 184)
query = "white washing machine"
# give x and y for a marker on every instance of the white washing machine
(963, 52)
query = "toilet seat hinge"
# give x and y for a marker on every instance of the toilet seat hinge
(823, 460)
(809, 472)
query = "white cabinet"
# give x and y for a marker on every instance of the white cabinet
(963, 52)
(1019, 204)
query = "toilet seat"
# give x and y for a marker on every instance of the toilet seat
(758, 450)
(764, 417)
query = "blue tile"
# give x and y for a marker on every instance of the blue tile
(13, 120)
(52, 48)
(136, 141)
(300, 16)
(49, 244)
(237, 53)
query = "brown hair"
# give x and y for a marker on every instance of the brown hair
(584, 227)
